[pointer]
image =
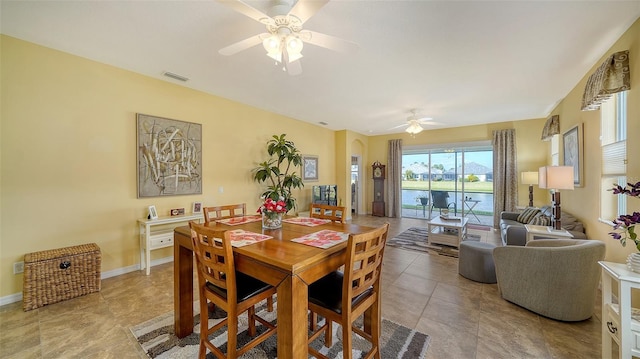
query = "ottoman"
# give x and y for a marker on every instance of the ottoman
(475, 261)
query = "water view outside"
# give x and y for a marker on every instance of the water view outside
(443, 170)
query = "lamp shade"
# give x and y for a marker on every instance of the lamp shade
(529, 177)
(555, 177)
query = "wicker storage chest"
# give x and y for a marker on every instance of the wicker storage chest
(59, 274)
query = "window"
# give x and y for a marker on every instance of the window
(613, 136)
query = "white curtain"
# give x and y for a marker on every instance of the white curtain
(505, 175)
(394, 178)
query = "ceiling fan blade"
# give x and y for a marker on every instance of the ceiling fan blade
(304, 9)
(403, 125)
(328, 41)
(247, 10)
(243, 44)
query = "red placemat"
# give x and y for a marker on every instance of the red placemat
(241, 238)
(234, 221)
(322, 239)
(307, 221)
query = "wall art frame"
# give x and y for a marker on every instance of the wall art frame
(169, 157)
(573, 152)
(309, 168)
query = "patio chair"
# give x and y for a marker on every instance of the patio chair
(440, 200)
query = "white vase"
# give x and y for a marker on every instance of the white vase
(633, 262)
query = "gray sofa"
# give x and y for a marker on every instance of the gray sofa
(513, 232)
(557, 278)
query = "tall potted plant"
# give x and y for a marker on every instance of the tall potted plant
(279, 170)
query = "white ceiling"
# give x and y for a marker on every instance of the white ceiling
(458, 62)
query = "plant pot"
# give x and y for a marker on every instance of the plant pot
(271, 220)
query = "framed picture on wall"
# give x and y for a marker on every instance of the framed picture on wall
(572, 152)
(169, 157)
(309, 168)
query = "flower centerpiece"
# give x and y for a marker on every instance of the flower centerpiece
(272, 212)
(624, 225)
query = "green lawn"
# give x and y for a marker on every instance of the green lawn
(484, 187)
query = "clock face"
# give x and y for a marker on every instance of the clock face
(377, 172)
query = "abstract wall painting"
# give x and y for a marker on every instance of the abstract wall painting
(169, 157)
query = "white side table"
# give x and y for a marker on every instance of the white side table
(546, 232)
(620, 322)
(151, 238)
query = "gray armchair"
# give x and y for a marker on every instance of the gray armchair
(556, 278)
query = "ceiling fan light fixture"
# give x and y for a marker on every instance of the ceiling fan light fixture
(414, 127)
(273, 45)
(294, 44)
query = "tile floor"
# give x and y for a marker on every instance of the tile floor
(465, 319)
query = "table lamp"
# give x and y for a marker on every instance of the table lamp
(556, 178)
(530, 178)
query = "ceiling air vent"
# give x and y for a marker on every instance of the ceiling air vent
(323, 123)
(176, 76)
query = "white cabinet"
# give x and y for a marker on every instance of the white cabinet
(620, 321)
(160, 237)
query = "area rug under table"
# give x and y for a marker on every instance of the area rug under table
(157, 339)
(417, 239)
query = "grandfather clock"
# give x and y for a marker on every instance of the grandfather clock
(378, 189)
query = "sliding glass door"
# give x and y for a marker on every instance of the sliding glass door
(457, 179)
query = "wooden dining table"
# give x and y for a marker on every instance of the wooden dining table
(278, 261)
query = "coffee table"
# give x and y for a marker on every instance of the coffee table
(450, 231)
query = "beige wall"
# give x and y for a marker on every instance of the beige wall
(584, 202)
(69, 154)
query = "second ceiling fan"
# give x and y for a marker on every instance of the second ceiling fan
(285, 36)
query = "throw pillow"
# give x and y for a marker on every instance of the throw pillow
(541, 220)
(526, 215)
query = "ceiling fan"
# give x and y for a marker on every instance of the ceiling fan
(285, 36)
(415, 122)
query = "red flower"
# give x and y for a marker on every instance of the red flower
(271, 206)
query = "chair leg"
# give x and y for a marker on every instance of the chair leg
(328, 334)
(313, 321)
(270, 304)
(251, 315)
(232, 335)
(347, 343)
(204, 326)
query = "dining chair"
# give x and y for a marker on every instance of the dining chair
(343, 297)
(232, 291)
(325, 211)
(212, 214)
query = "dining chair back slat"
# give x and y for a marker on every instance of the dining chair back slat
(325, 211)
(214, 213)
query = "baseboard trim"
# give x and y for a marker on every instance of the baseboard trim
(17, 297)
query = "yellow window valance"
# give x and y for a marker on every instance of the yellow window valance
(610, 77)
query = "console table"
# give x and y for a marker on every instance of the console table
(161, 236)
(620, 322)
